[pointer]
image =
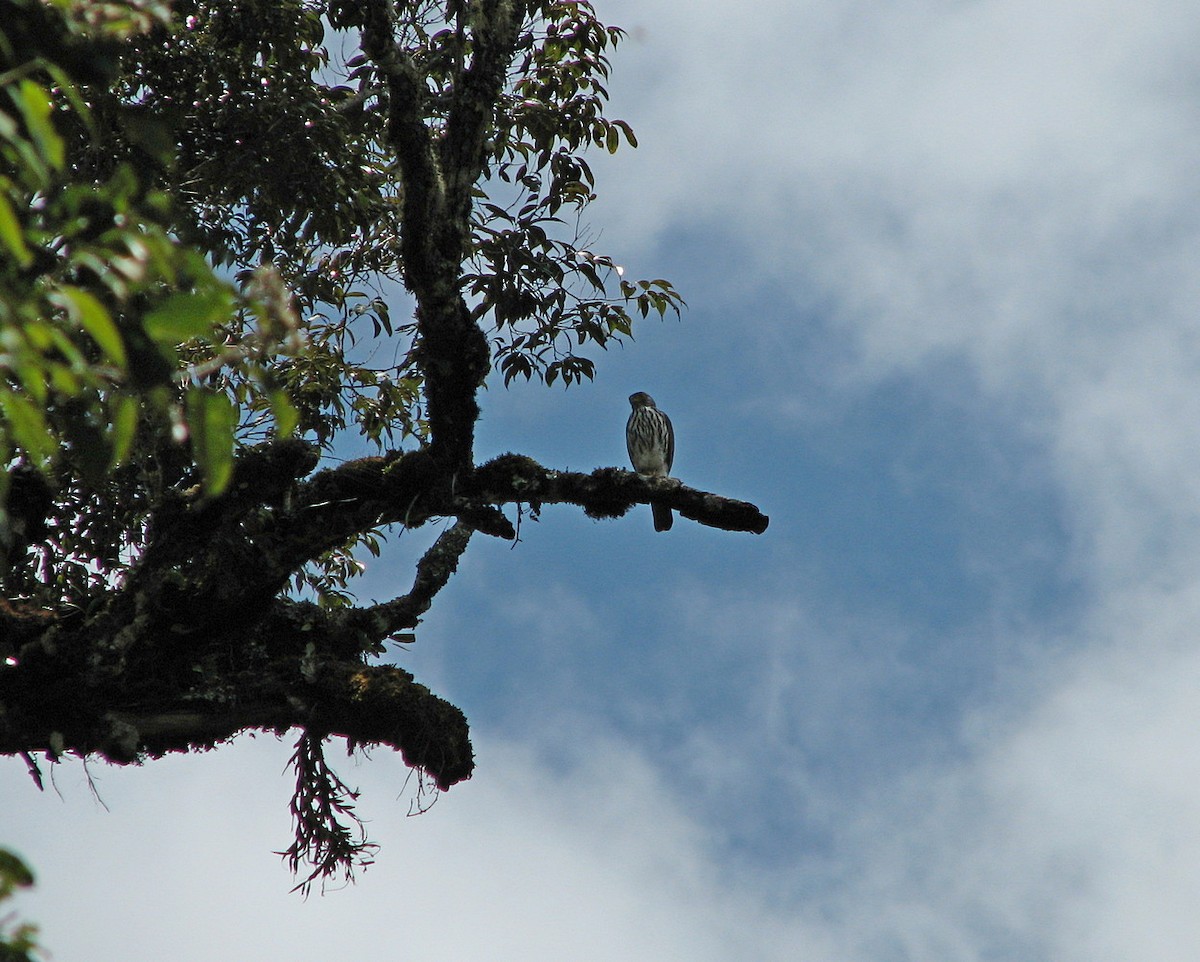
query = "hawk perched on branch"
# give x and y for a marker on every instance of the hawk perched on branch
(651, 443)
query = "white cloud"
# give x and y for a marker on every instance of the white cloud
(1066, 828)
(593, 859)
(1062, 824)
(1009, 185)
(1073, 831)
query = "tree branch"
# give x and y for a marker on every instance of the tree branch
(452, 350)
(433, 572)
(88, 713)
(148, 669)
(495, 26)
(608, 493)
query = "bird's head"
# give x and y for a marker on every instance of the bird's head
(641, 400)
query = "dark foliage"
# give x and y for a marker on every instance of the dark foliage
(210, 213)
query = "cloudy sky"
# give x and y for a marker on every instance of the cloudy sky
(942, 261)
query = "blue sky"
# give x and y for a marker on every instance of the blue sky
(940, 261)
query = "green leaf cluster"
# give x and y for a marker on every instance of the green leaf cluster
(109, 325)
(18, 940)
(280, 162)
(201, 215)
(532, 273)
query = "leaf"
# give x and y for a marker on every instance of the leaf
(629, 135)
(13, 872)
(35, 106)
(123, 413)
(92, 316)
(32, 371)
(26, 423)
(211, 421)
(11, 235)
(184, 316)
(287, 418)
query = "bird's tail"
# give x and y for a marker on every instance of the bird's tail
(663, 517)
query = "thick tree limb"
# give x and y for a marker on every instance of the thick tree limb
(197, 644)
(495, 26)
(127, 718)
(438, 174)
(238, 555)
(609, 493)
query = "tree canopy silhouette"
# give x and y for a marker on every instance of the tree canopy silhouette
(208, 212)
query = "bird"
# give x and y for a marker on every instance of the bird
(651, 443)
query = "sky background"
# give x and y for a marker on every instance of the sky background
(942, 261)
